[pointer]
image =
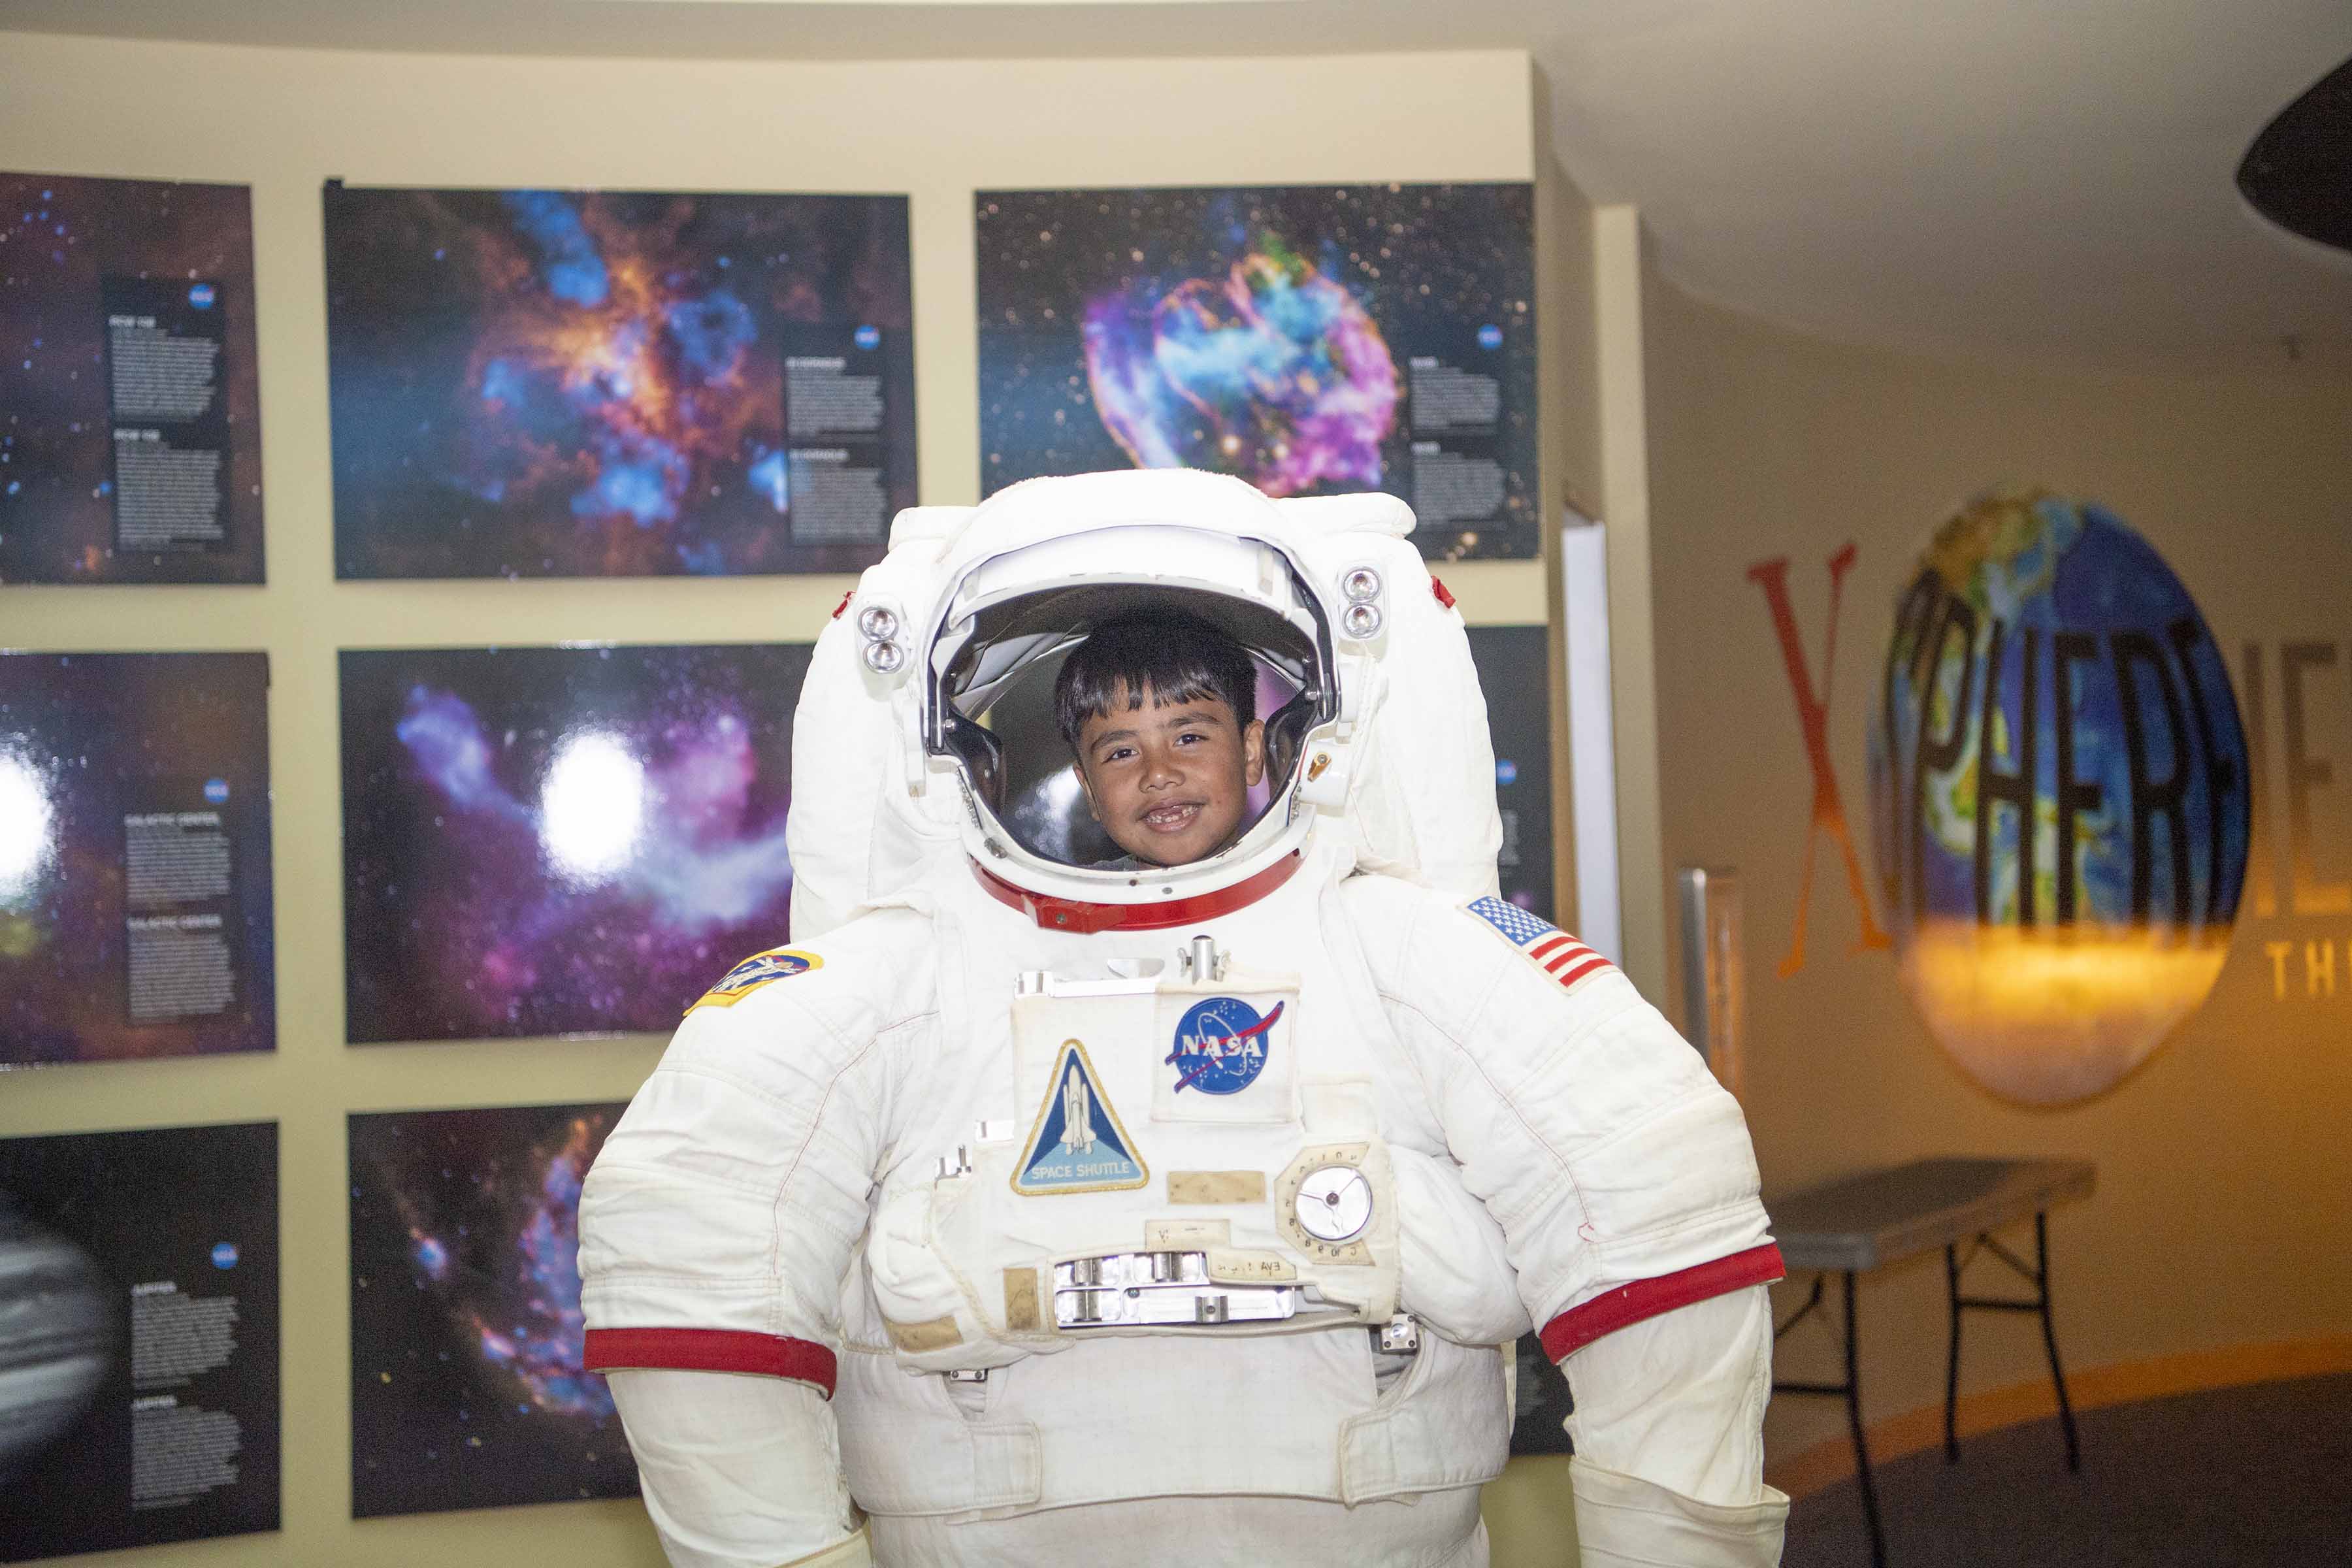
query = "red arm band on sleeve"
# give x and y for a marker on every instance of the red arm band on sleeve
(710, 1350)
(1629, 1304)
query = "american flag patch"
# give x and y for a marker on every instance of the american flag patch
(1548, 947)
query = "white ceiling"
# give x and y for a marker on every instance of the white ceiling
(2049, 179)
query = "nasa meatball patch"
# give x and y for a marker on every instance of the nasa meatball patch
(776, 963)
(1221, 1046)
(1544, 944)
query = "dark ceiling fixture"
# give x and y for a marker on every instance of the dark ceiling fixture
(2298, 173)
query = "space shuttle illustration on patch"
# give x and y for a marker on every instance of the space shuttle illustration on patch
(1078, 1144)
(1077, 1115)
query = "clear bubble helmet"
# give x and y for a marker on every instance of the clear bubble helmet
(926, 731)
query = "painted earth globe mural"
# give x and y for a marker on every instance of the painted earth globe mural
(2059, 796)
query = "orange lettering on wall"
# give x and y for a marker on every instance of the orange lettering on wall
(1813, 721)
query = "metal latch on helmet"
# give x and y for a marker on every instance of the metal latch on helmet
(1159, 1289)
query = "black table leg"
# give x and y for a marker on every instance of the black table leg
(2049, 1340)
(1853, 1419)
(1952, 1358)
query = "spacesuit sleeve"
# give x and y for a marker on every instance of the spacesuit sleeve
(1622, 1178)
(1619, 1170)
(715, 1228)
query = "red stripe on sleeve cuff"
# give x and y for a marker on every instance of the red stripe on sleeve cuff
(1629, 1304)
(710, 1350)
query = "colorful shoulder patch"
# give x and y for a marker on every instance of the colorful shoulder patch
(1078, 1144)
(776, 963)
(1548, 948)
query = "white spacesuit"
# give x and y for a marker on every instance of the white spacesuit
(1029, 1210)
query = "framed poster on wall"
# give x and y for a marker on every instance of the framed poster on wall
(565, 840)
(1312, 340)
(139, 1320)
(135, 903)
(616, 384)
(132, 451)
(467, 1387)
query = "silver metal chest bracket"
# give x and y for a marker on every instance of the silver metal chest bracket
(1200, 961)
(1159, 1289)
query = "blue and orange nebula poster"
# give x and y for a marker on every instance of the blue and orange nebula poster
(467, 1389)
(135, 900)
(1311, 340)
(138, 1338)
(132, 447)
(567, 840)
(604, 383)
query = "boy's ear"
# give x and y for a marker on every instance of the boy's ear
(1087, 785)
(1254, 751)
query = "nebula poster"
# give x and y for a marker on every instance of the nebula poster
(132, 447)
(135, 916)
(610, 383)
(1513, 665)
(567, 840)
(1312, 340)
(139, 1399)
(467, 1389)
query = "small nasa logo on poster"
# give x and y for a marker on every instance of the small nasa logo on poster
(1221, 1046)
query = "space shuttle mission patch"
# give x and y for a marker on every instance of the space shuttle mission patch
(776, 963)
(1078, 1144)
(1545, 945)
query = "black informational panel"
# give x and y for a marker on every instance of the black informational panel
(547, 841)
(610, 383)
(1514, 672)
(138, 1338)
(134, 856)
(133, 433)
(467, 1389)
(1312, 340)
(1514, 668)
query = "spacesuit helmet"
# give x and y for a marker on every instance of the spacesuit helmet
(1005, 628)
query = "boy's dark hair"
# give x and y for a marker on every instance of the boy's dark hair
(1180, 657)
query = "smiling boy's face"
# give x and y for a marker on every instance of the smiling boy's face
(1169, 780)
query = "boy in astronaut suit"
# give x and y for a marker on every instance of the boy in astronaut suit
(1181, 1208)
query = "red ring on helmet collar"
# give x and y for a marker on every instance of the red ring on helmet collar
(1084, 919)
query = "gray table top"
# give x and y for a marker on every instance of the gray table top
(1879, 1217)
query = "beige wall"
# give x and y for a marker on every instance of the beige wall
(285, 121)
(2223, 1189)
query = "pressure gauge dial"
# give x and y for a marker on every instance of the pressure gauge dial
(1334, 1203)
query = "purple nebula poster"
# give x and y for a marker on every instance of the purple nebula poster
(132, 447)
(568, 840)
(1311, 340)
(138, 1338)
(135, 916)
(610, 383)
(467, 1389)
